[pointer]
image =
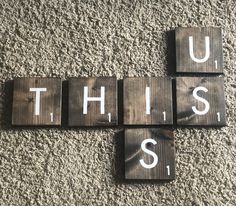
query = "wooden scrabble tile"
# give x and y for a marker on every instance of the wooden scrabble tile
(37, 101)
(148, 101)
(199, 50)
(93, 101)
(200, 101)
(149, 154)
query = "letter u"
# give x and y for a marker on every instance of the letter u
(207, 50)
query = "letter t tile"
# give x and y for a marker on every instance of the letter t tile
(37, 101)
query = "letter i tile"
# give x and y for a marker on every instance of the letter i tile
(148, 101)
(149, 154)
(200, 101)
(37, 101)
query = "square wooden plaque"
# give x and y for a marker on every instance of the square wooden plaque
(148, 101)
(200, 101)
(37, 101)
(199, 50)
(149, 154)
(93, 101)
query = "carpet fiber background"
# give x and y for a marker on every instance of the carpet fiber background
(61, 166)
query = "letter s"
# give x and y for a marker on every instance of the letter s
(143, 147)
(207, 106)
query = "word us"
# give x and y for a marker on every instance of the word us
(147, 101)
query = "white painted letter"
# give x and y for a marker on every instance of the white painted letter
(37, 98)
(143, 146)
(207, 50)
(147, 100)
(98, 99)
(207, 106)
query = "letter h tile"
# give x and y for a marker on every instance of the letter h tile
(93, 101)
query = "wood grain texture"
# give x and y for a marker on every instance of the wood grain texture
(164, 149)
(185, 64)
(186, 100)
(93, 116)
(23, 111)
(160, 101)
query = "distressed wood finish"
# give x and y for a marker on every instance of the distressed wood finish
(164, 149)
(186, 64)
(93, 116)
(24, 101)
(161, 111)
(185, 101)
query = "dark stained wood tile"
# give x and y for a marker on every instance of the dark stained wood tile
(193, 52)
(102, 112)
(148, 101)
(200, 101)
(37, 101)
(149, 154)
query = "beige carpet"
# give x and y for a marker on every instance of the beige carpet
(61, 166)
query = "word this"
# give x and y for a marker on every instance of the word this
(146, 101)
